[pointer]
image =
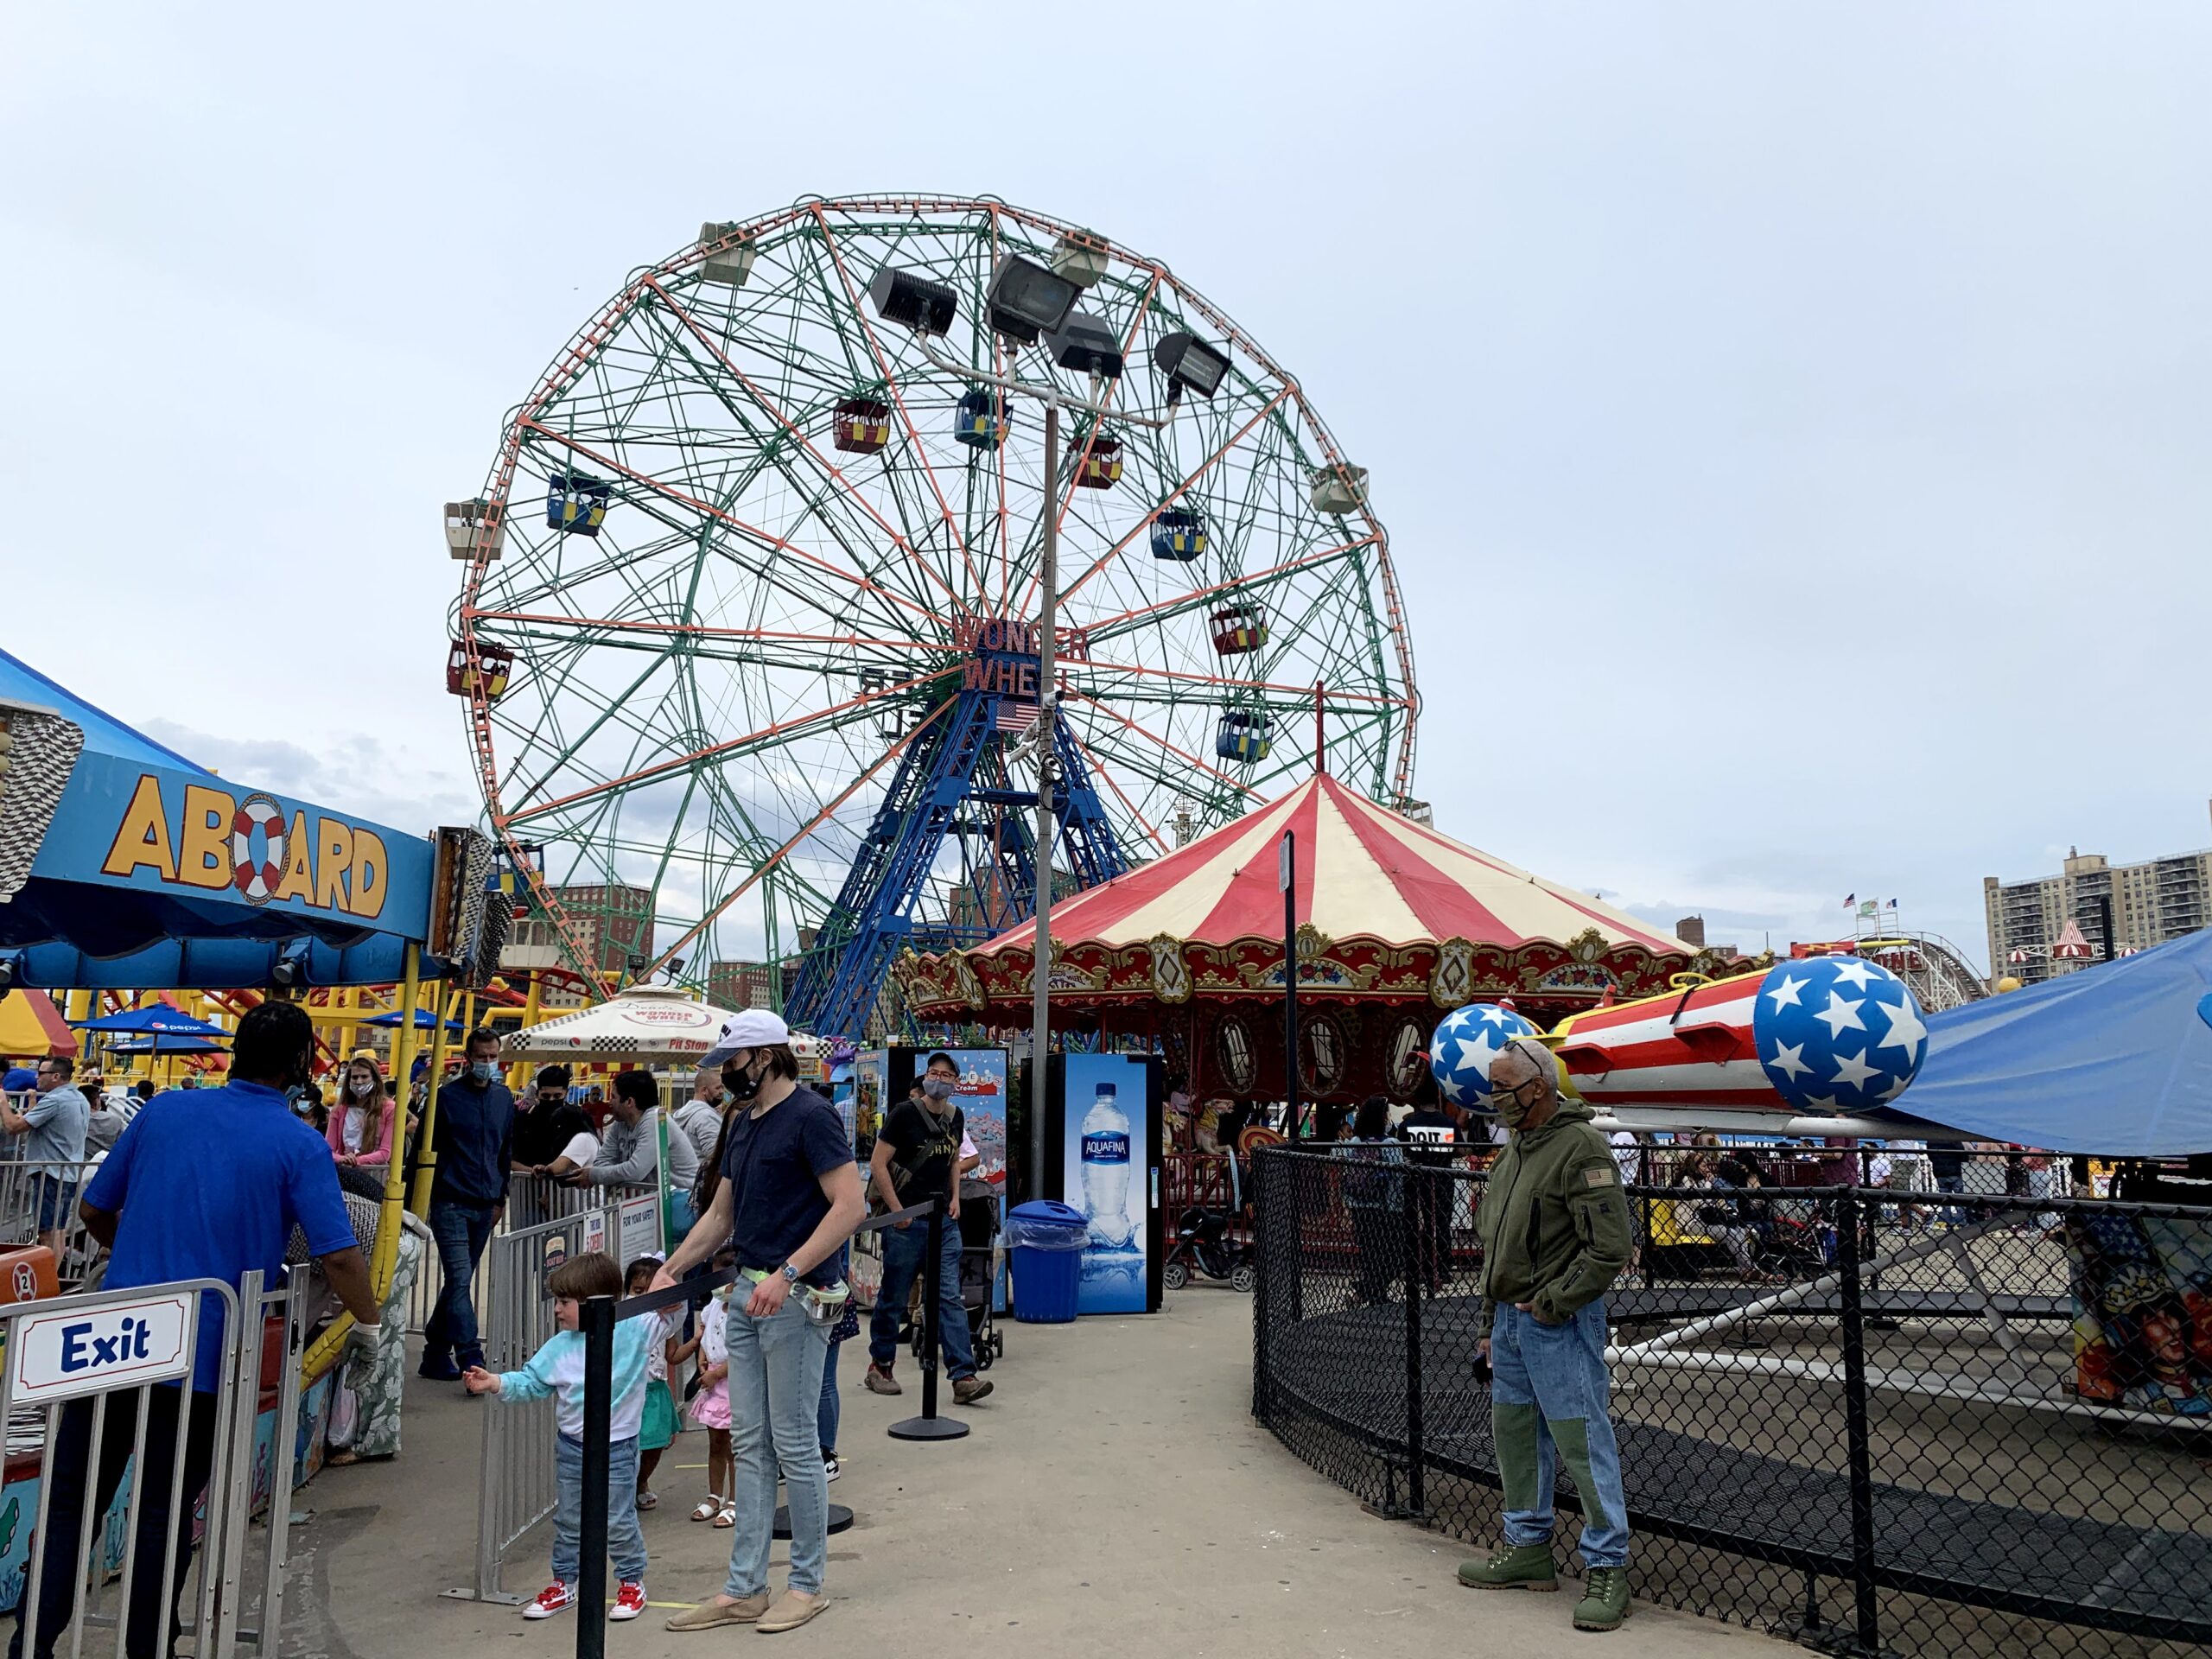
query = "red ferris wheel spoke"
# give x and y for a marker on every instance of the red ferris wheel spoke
(1174, 495)
(783, 851)
(782, 728)
(1150, 736)
(897, 398)
(1225, 681)
(785, 420)
(1108, 627)
(1098, 769)
(698, 629)
(777, 542)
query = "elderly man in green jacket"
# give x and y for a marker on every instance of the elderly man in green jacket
(1555, 1235)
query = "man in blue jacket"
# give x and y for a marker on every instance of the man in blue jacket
(474, 1136)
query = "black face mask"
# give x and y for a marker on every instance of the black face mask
(740, 1084)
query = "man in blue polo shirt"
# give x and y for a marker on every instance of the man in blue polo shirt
(207, 1186)
(474, 1134)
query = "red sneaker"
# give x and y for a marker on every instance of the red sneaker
(629, 1601)
(554, 1597)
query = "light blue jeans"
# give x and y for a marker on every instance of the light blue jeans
(625, 1540)
(775, 1397)
(1548, 1400)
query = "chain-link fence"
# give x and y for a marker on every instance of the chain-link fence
(1953, 1425)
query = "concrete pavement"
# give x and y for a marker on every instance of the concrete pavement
(1115, 1498)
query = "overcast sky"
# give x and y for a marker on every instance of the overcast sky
(1791, 421)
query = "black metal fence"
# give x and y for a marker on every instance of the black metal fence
(1924, 1423)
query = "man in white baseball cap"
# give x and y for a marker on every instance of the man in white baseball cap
(786, 1199)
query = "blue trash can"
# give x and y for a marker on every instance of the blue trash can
(1047, 1238)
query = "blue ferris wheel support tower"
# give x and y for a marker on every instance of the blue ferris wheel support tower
(951, 783)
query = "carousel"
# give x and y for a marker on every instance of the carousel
(1396, 926)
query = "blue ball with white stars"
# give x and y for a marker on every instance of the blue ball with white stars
(1838, 1034)
(1467, 1040)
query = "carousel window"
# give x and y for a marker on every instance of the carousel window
(1408, 1056)
(1321, 1052)
(1233, 1053)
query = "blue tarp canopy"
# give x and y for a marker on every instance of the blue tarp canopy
(2115, 1059)
(123, 864)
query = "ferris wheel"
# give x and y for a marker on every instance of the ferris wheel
(749, 626)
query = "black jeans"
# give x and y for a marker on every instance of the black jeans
(69, 1481)
(1378, 1236)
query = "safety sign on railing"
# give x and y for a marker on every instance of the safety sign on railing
(70, 1351)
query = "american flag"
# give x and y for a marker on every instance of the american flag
(1014, 715)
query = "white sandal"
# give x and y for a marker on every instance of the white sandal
(707, 1511)
(727, 1517)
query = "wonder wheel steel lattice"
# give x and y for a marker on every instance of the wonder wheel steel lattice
(746, 630)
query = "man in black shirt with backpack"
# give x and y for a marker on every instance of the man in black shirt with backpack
(918, 1157)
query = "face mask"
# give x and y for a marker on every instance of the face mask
(363, 1087)
(483, 1071)
(296, 1098)
(938, 1088)
(740, 1083)
(1512, 1107)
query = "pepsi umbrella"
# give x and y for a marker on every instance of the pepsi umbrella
(160, 1019)
(424, 1020)
(164, 1043)
(124, 863)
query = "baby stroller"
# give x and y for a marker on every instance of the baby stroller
(1201, 1243)
(979, 1272)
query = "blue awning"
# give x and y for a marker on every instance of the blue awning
(123, 864)
(2115, 1059)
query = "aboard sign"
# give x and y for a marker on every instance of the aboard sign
(189, 835)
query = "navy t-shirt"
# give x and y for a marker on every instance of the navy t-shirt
(773, 1163)
(208, 1184)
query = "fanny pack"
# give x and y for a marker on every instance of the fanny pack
(823, 1303)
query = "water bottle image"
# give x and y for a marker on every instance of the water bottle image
(1106, 1174)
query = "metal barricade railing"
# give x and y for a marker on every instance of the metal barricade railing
(531, 1202)
(83, 1372)
(516, 1493)
(34, 1192)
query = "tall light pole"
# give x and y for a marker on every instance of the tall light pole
(1048, 775)
(1027, 300)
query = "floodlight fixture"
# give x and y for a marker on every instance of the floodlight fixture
(1190, 364)
(1025, 299)
(1086, 345)
(289, 971)
(900, 296)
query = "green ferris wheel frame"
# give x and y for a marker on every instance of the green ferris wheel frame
(694, 686)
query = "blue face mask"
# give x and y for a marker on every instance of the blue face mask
(483, 1071)
(295, 1097)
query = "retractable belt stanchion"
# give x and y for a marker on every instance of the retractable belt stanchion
(929, 1425)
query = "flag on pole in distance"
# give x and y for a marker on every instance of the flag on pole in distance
(1849, 899)
(1867, 907)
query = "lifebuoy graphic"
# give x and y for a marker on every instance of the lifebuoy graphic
(258, 878)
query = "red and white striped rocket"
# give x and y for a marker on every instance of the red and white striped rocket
(1824, 1034)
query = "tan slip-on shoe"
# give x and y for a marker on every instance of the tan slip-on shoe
(790, 1611)
(712, 1615)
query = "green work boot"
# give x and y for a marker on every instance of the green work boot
(1512, 1567)
(1605, 1600)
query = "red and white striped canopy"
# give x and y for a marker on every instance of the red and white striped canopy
(1362, 869)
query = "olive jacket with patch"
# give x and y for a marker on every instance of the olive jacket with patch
(1553, 1219)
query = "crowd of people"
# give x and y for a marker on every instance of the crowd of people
(761, 1181)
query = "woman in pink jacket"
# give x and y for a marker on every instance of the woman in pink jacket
(360, 1120)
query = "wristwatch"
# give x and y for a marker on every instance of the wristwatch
(791, 1275)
